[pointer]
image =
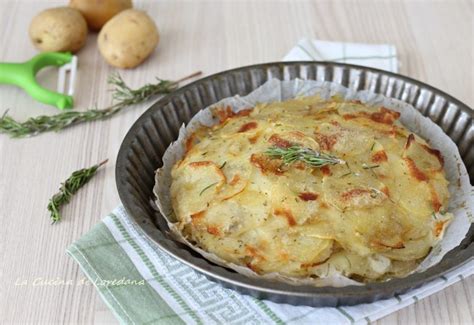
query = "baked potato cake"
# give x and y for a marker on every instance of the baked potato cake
(310, 187)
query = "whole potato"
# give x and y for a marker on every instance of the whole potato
(98, 12)
(128, 39)
(58, 29)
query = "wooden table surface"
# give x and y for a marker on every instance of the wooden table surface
(435, 43)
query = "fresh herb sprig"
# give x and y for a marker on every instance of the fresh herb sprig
(306, 155)
(207, 187)
(123, 95)
(365, 166)
(78, 179)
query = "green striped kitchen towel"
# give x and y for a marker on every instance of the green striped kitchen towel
(380, 56)
(143, 285)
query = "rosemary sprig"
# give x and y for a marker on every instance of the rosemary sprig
(306, 155)
(207, 187)
(370, 167)
(78, 179)
(122, 94)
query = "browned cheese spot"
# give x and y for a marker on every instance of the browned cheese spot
(287, 214)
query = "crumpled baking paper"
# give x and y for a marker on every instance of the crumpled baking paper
(461, 202)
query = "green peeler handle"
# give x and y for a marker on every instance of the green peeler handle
(23, 75)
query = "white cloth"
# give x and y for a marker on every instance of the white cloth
(380, 56)
(193, 288)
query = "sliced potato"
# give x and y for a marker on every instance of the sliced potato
(198, 184)
(369, 218)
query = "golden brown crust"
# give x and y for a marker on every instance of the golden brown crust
(370, 218)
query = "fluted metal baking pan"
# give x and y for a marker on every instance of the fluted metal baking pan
(142, 149)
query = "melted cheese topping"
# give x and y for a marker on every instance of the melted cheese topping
(372, 218)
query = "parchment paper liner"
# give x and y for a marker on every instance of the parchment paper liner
(462, 198)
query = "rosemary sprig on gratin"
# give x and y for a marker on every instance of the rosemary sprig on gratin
(365, 166)
(207, 187)
(78, 179)
(297, 153)
(121, 93)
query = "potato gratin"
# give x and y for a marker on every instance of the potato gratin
(371, 212)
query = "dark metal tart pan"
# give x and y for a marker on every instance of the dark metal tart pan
(144, 145)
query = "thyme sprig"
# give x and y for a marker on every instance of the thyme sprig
(306, 155)
(122, 94)
(78, 179)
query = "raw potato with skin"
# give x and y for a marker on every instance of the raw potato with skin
(128, 39)
(58, 30)
(98, 12)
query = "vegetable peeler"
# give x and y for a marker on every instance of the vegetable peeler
(24, 75)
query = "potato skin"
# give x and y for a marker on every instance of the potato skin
(128, 39)
(58, 29)
(98, 12)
